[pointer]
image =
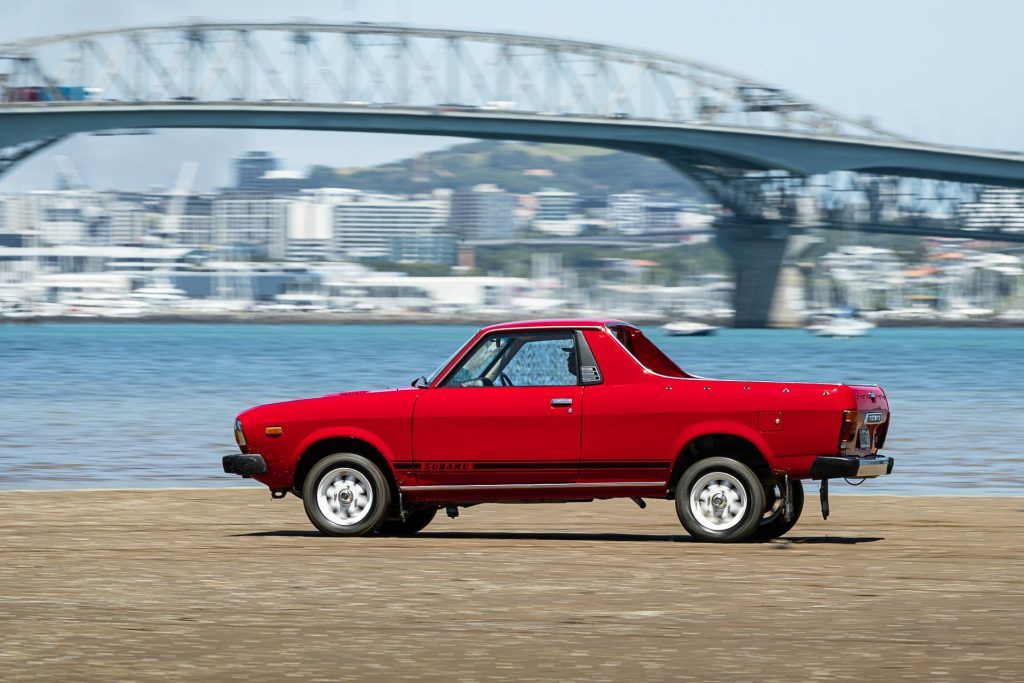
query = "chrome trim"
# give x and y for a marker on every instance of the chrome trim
(873, 418)
(873, 467)
(498, 487)
(561, 402)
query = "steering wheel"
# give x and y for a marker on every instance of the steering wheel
(505, 381)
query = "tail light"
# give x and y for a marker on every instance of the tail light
(848, 429)
(881, 433)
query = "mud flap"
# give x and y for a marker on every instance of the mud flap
(823, 495)
(787, 511)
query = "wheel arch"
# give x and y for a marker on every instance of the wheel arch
(318, 449)
(747, 448)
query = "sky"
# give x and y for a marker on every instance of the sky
(938, 71)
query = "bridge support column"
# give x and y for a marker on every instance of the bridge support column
(757, 252)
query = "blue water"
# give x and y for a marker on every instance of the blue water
(116, 405)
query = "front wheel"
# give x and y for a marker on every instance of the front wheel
(346, 495)
(720, 500)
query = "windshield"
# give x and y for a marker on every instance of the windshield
(646, 353)
(449, 359)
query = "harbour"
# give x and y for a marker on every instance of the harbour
(160, 397)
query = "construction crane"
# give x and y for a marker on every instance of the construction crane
(170, 226)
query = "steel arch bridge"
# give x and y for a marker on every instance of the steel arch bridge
(774, 160)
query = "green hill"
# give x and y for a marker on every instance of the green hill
(518, 167)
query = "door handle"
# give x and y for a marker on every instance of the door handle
(561, 402)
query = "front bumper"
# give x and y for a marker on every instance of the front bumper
(244, 465)
(836, 467)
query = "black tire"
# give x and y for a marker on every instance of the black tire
(351, 473)
(736, 488)
(773, 522)
(416, 520)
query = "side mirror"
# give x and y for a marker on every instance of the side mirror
(420, 382)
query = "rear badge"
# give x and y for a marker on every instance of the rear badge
(872, 418)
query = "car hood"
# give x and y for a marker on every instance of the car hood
(303, 405)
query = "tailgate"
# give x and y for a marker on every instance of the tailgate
(864, 429)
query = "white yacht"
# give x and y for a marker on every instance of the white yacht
(160, 294)
(843, 327)
(687, 328)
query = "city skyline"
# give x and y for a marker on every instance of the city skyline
(917, 82)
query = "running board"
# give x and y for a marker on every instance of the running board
(505, 487)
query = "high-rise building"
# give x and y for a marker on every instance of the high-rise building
(481, 213)
(195, 223)
(250, 169)
(310, 232)
(365, 223)
(557, 212)
(129, 222)
(555, 205)
(256, 222)
(627, 213)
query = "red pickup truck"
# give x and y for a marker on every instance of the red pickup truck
(558, 411)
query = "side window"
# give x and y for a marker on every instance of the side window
(519, 359)
(543, 363)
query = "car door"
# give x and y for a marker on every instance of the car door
(631, 424)
(509, 413)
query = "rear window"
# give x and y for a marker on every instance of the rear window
(644, 350)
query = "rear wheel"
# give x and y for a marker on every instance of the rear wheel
(415, 521)
(773, 522)
(346, 495)
(720, 500)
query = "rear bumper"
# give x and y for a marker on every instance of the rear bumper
(835, 467)
(244, 465)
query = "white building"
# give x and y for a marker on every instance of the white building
(556, 213)
(392, 292)
(627, 213)
(310, 232)
(128, 222)
(997, 208)
(60, 217)
(485, 212)
(364, 224)
(257, 222)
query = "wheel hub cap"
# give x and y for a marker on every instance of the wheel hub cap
(718, 501)
(344, 496)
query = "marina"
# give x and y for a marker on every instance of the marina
(851, 289)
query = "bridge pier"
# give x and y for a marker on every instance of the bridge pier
(757, 251)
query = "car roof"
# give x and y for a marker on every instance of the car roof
(574, 323)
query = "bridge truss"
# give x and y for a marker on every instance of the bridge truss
(379, 68)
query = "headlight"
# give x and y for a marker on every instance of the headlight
(239, 435)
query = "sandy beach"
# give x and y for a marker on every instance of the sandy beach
(229, 585)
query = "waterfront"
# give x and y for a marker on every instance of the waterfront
(150, 405)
